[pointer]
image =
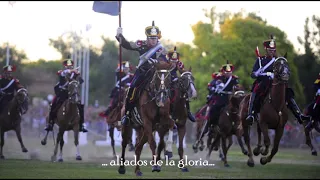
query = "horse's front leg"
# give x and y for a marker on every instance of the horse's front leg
(18, 133)
(257, 150)
(181, 134)
(169, 142)
(2, 143)
(59, 138)
(239, 138)
(266, 139)
(161, 146)
(276, 142)
(60, 159)
(246, 136)
(131, 146)
(309, 143)
(125, 138)
(111, 134)
(139, 145)
(76, 142)
(224, 149)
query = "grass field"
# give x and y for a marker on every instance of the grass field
(288, 163)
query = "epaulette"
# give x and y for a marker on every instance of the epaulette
(235, 76)
(141, 43)
(317, 81)
(16, 80)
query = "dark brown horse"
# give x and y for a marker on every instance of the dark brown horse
(10, 118)
(151, 111)
(229, 122)
(273, 113)
(112, 121)
(315, 124)
(68, 118)
(185, 89)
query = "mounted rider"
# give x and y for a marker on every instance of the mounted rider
(212, 85)
(174, 56)
(126, 77)
(149, 50)
(314, 107)
(8, 85)
(224, 86)
(61, 92)
(262, 71)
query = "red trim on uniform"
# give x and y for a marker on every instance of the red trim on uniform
(174, 97)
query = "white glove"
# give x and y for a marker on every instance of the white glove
(318, 92)
(212, 89)
(152, 61)
(270, 74)
(119, 31)
(64, 72)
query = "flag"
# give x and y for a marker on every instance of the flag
(107, 7)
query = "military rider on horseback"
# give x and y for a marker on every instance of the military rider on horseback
(224, 86)
(174, 56)
(314, 107)
(8, 85)
(150, 50)
(126, 78)
(62, 95)
(263, 73)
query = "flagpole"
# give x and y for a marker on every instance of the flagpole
(120, 62)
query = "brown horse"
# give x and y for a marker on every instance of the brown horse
(10, 118)
(184, 90)
(68, 118)
(112, 122)
(315, 124)
(151, 111)
(273, 113)
(229, 122)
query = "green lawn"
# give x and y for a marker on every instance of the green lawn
(287, 163)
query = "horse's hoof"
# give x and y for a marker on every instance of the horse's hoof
(79, 158)
(263, 160)
(43, 142)
(25, 150)
(250, 163)
(256, 151)
(184, 169)
(264, 152)
(314, 153)
(122, 170)
(245, 152)
(226, 165)
(131, 148)
(60, 160)
(114, 157)
(201, 148)
(169, 154)
(2, 157)
(53, 158)
(156, 168)
(138, 173)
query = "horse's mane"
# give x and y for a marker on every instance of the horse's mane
(164, 65)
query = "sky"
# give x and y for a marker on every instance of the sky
(28, 25)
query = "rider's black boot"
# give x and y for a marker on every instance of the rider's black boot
(250, 118)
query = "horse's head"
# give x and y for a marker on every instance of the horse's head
(281, 70)
(162, 80)
(73, 91)
(186, 82)
(22, 96)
